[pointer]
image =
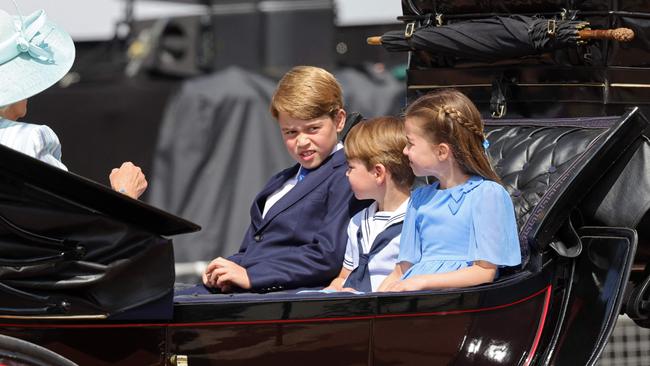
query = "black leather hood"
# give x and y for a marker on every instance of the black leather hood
(549, 165)
(71, 247)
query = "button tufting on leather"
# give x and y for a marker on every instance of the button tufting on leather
(522, 154)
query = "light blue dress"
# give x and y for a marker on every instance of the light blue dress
(448, 229)
(37, 141)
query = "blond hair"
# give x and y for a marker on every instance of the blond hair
(307, 92)
(381, 140)
(448, 116)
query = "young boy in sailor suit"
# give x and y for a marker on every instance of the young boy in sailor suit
(297, 235)
(378, 170)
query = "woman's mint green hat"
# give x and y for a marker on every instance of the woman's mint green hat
(34, 54)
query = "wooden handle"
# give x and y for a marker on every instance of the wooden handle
(374, 41)
(618, 34)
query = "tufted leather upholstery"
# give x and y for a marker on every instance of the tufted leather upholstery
(547, 163)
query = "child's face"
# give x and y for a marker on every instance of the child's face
(310, 142)
(422, 154)
(362, 181)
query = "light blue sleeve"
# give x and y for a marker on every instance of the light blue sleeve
(493, 237)
(410, 247)
(37, 141)
(47, 147)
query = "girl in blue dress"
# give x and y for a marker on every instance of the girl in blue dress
(460, 229)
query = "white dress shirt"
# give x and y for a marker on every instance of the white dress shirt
(274, 197)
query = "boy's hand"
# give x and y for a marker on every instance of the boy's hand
(336, 285)
(225, 274)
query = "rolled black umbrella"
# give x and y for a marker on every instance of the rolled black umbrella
(491, 39)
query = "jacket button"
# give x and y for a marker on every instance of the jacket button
(258, 237)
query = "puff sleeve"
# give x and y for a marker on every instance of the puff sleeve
(493, 234)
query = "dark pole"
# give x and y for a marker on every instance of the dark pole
(128, 18)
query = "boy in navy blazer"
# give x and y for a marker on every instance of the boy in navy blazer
(298, 224)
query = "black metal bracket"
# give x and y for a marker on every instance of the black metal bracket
(570, 244)
(501, 87)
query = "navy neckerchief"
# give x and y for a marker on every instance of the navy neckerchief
(359, 279)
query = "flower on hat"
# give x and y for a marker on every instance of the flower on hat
(34, 54)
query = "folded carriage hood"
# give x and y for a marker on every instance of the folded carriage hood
(569, 157)
(72, 248)
(94, 197)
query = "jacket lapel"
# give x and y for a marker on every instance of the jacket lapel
(273, 185)
(311, 181)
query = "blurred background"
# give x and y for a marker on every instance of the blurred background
(182, 88)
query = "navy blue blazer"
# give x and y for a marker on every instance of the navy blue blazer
(301, 240)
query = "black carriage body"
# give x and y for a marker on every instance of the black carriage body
(572, 152)
(538, 313)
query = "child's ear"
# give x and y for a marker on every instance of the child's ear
(444, 151)
(379, 171)
(339, 120)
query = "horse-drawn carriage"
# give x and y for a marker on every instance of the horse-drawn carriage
(89, 274)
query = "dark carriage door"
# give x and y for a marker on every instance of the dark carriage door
(272, 329)
(78, 261)
(594, 296)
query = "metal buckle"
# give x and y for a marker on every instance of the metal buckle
(410, 28)
(500, 112)
(579, 27)
(551, 27)
(178, 360)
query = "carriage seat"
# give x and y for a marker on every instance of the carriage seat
(548, 166)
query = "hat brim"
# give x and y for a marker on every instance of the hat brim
(25, 76)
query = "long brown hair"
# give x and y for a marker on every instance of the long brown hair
(448, 116)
